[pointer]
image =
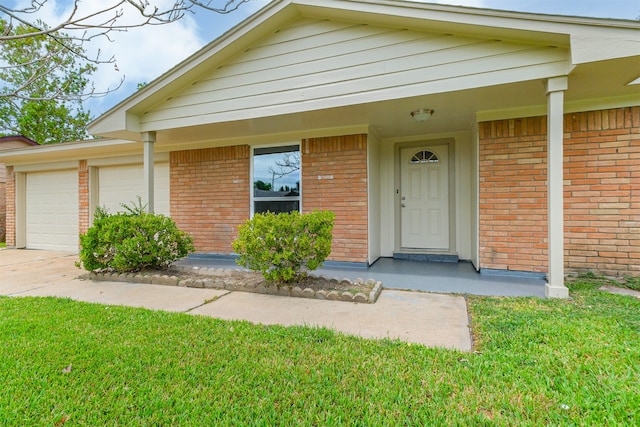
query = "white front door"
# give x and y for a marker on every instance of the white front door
(424, 197)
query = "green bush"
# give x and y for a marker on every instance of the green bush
(132, 241)
(283, 247)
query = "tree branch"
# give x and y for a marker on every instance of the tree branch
(78, 28)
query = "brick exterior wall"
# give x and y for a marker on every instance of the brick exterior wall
(334, 177)
(513, 194)
(3, 202)
(83, 197)
(209, 193)
(602, 176)
(10, 190)
(602, 193)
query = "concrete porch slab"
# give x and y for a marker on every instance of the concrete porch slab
(440, 277)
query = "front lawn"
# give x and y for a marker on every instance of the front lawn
(537, 362)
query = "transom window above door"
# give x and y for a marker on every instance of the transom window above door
(424, 156)
(276, 179)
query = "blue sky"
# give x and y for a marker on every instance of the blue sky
(143, 54)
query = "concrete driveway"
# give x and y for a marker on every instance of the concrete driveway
(433, 320)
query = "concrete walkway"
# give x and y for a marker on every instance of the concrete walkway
(429, 319)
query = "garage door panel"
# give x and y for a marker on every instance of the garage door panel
(52, 210)
(124, 184)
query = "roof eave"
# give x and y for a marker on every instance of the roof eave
(551, 29)
(76, 150)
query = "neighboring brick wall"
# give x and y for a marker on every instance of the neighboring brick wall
(83, 197)
(11, 207)
(3, 202)
(334, 177)
(513, 194)
(209, 193)
(602, 193)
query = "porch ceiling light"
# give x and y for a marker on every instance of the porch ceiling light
(422, 115)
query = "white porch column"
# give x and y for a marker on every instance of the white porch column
(555, 187)
(148, 139)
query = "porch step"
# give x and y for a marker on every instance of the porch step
(426, 257)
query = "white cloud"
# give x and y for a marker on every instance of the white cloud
(143, 54)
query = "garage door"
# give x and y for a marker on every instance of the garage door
(52, 210)
(123, 184)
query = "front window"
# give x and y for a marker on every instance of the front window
(276, 179)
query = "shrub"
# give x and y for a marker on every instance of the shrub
(283, 247)
(132, 241)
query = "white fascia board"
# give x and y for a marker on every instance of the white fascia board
(47, 166)
(477, 20)
(461, 14)
(69, 151)
(598, 45)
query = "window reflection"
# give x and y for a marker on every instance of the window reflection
(276, 179)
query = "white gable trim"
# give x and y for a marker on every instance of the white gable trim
(567, 32)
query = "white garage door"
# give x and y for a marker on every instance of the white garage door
(52, 210)
(123, 184)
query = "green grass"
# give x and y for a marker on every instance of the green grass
(3, 245)
(596, 280)
(537, 362)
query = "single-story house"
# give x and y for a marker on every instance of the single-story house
(511, 140)
(8, 143)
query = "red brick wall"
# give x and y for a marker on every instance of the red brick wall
(334, 177)
(11, 207)
(209, 193)
(602, 193)
(83, 197)
(602, 176)
(3, 202)
(513, 194)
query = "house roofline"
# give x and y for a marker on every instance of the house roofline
(76, 150)
(560, 28)
(489, 12)
(18, 138)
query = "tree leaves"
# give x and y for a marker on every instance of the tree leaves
(41, 82)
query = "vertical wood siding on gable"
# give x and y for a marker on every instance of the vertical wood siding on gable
(341, 64)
